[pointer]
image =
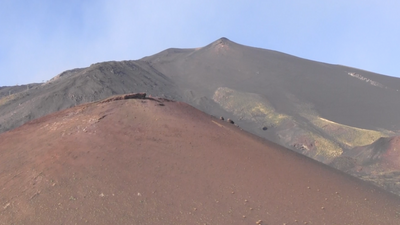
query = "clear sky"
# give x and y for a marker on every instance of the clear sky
(40, 39)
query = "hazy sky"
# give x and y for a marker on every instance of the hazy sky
(42, 38)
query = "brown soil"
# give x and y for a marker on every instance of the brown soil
(141, 161)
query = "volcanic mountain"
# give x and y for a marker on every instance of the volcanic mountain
(137, 160)
(317, 109)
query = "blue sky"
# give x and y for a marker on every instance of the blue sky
(42, 38)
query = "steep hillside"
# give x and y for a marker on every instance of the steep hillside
(137, 160)
(378, 163)
(341, 94)
(79, 86)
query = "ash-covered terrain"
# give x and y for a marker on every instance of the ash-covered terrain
(327, 112)
(134, 159)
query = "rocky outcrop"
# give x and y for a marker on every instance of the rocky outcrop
(124, 97)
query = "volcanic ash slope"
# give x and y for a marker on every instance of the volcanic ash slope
(152, 161)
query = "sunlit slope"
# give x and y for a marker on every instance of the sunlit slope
(378, 163)
(4, 100)
(306, 132)
(347, 135)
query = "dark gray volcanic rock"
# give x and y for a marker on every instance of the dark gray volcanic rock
(364, 99)
(79, 86)
(10, 90)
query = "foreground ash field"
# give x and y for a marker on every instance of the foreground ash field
(137, 160)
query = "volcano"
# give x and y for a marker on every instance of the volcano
(320, 110)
